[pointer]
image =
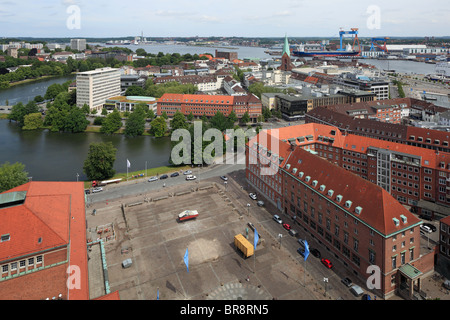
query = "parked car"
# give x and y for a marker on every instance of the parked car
(327, 263)
(425, 229)
(152, 179)
(431, 226)
(315, 253)
(224, 178)
(191, 177)
(301, 251)
(252, 195)
(347, 282)
(260, 203)
(287, 226)
(175, 174)
(357, 291)
(164, 176)
(277, 219)
(97, 189)
(87, 191)
(366, 296)
(187, 172)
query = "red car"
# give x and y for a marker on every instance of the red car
(327, 263)
(287, 226)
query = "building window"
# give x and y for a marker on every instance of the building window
(394, 262)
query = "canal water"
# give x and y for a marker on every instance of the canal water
(50, 156)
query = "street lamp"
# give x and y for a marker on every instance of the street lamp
(280, 236)
(325, 280)
(248, 209)
(226, 184)
(77, 176)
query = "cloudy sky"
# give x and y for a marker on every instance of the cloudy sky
(245, 18)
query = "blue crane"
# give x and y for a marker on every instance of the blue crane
(353, 31)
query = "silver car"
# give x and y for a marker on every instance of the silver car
(152, 179)
(98, 189)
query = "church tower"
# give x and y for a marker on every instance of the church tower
(286, 64)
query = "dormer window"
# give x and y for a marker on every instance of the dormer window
(396, 222)
(348, 204)
(358, 210)
(5, 237)
(330, 193)
(338, 198)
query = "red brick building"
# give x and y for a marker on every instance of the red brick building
(209, 105)
(43, 253)
(358, 221)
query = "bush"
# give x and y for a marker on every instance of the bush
(98, 121)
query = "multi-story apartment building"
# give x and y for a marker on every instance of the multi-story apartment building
(204, 83)
(378, 86)
(94, 87)
(78, 44)
(415, 136)
(414, 176)
(359, 222)
(209, 105)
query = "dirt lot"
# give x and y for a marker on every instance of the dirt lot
(148, 232)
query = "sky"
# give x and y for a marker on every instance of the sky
(226, 18)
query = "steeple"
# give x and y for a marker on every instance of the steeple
(286, 48)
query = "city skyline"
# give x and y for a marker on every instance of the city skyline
(251, 18)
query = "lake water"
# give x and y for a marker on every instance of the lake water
(27, 91)
(60, 156)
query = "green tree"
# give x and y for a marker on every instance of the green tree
(158, 127)
(52, 91)
(112, 122)
(150, 114)
(104, 112)
(164, 115)
(266, 113)
(178, 121)
(190, 116)
(12, 175)
(76, 120)
(245, 118)
(100, 161)
(85, 109)
(134, 91)
(135, 124)
(33, 121)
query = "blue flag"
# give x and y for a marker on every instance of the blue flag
(157, 294)
(255, 242)
(186, 259)
(306, 249)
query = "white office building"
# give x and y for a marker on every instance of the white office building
(94, 87)
(78, 44)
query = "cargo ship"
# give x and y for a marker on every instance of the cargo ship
(301, 52)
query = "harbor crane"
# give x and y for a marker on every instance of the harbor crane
(353, 31)
(375, 44)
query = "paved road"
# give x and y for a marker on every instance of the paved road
(142, 186)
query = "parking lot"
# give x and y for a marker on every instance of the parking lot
(147, 232)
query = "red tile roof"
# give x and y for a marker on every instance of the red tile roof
(379, 208)
(54, 212)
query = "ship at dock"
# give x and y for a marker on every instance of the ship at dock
(320, 50)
